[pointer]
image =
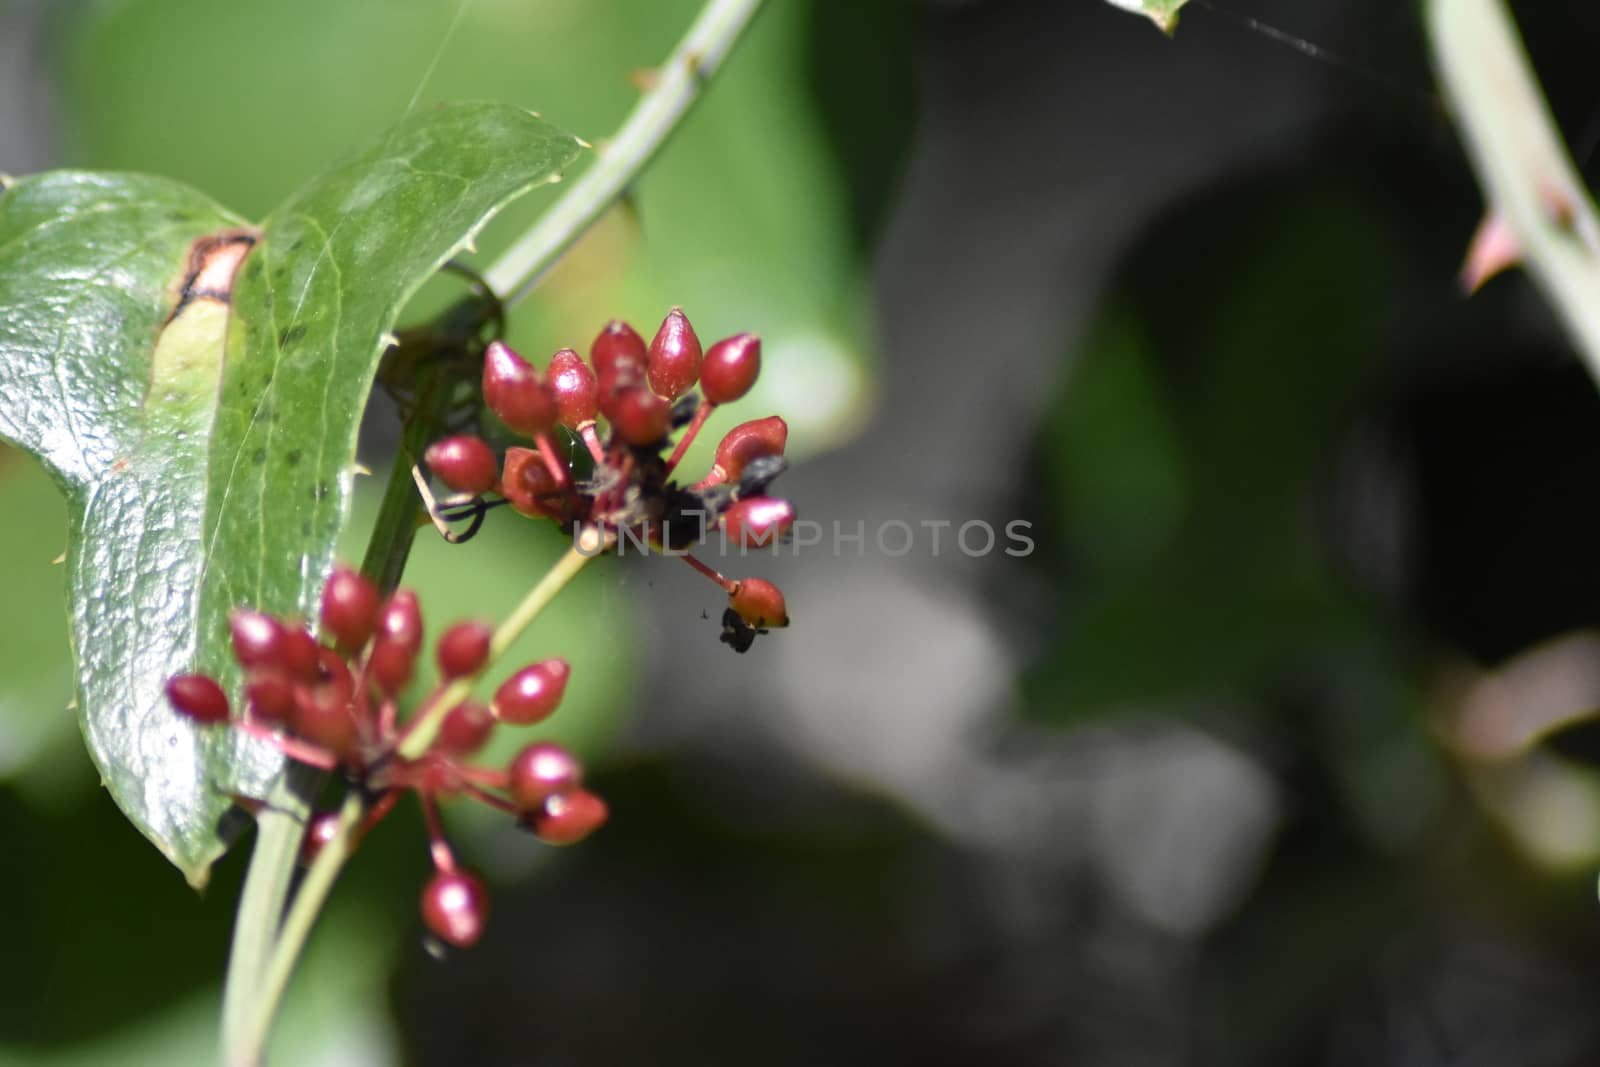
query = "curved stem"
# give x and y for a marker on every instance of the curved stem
(679, 83)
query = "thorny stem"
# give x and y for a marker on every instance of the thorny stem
(256, 980)
(1527, 176)
(678, 84)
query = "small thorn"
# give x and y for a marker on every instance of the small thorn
(362, 470)
(389, 340)
(59, 560)
(582, 143)
(1494, 248)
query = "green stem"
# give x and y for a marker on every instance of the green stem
(679, 83)
(297, 925)
(1527, 176)
(279, 828)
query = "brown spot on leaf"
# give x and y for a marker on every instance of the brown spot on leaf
(213, 261)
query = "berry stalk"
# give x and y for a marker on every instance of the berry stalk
(424, 728)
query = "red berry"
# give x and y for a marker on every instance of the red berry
(271, 698)
(640, 417)
(349, 608)
(748, 441)
(323, 716)
(463, 649)
(758, 521)
(301, 654)
(257, 640)
(390, 666)
(760, 604)
(466, 729)
(538, 772)
(674, 363)
(455, 906)
(512, 390)
(617, 344)
(575, 387)
(401, 621)
(198, 697)
(529, 485)
(730, 368)
(464, 463)
(567, 818)
(532, 694)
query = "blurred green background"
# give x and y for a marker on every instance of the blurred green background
(1237, 768)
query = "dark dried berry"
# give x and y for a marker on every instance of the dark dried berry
(533, 693)
(538, 772)
(758, 521)
(746, 442)
(466, 729)
(674, 362)
(683, 410)
(198, 697)
(349, 608)
(760, 473)
(464, 463)
(575, 387)
(736, 633)
(567, 818)
(616, 345)
(760, 604)
(455, 907)
(640, 417)
(730, 368)
(513, 391)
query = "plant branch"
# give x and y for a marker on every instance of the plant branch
(678, 84)
(1527, 176)
(263, 955)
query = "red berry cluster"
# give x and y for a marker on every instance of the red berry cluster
(644, 394)
(338, 706)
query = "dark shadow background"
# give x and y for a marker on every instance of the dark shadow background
(1188, 785)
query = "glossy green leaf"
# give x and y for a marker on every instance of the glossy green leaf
(205, 438)
(1164, 13)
